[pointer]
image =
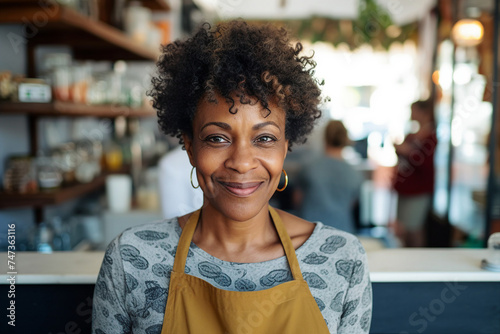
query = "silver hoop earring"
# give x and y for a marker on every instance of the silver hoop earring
(191, 178)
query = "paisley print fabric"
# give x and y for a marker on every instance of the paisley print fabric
(131, 291)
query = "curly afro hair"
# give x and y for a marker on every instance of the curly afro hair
(236, 59)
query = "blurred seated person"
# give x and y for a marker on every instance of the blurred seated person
(177, 195)
(329, 187)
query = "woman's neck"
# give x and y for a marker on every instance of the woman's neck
(232, 240)
(334, 152)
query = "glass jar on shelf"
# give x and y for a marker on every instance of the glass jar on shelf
(136, 21)
(61, 240)
(80, 76)
(61, 80)
(113, 157)
(88, 165)
(148, 197)
(20, 175)
(48, 174)
(66, 159)
(97, 92)
(56, 69)
(43, 238)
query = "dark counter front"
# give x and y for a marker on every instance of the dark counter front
(398, 308)
(436, 308)
(49, 309)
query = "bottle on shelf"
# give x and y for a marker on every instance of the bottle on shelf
(113, 157)
(61, 240)
(43, 238)
(117, 150)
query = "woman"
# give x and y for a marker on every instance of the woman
(238, 97)
(329, 186)
(414, 181)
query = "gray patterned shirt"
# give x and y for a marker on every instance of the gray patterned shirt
(131, 291)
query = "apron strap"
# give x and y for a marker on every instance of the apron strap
(188, 232)
(185, 242)
(287, 245)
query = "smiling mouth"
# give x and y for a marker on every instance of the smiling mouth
(241, 189)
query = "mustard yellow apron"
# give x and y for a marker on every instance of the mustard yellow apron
(197, 307)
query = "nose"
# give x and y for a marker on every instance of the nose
(242, 158)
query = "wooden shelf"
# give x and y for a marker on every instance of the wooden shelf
(160, 5)
(71, 109)
(89, 39)
(50, 197)
(47, 23)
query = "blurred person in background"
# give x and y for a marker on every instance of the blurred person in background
(414, 177)
(329, 187)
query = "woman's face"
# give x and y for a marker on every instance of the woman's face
(238, 157)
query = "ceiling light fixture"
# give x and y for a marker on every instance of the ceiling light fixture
(467, 32)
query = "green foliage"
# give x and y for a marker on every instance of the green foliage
(373, 26)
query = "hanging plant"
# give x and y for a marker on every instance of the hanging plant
(373, 26)
(372, 21)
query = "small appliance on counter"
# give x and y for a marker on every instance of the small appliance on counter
(492, 261)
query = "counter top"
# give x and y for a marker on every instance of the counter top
(53, 268)
(429, 265)
(387, 265)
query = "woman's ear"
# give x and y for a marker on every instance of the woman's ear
(188, 144)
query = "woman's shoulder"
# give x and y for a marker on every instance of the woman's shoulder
(156, 231)
(335, 239)
(308, 234)
(299, 230)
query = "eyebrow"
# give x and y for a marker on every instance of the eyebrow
(264, 124)
(226, 126)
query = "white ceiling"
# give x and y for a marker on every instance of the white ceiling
(401, 11)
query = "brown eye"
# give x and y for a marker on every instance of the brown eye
(266, 139)
(216, 139)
